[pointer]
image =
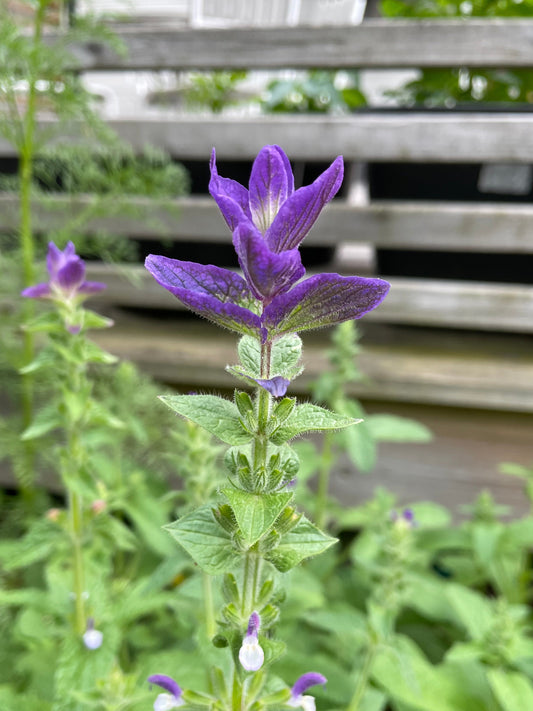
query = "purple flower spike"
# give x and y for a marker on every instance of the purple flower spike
(218, 294)
(67, 277)
(298, 697)
(251, 654)
(170, 700)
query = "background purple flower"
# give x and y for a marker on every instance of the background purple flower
(67, 277)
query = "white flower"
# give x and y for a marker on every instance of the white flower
(166, 702)
(251, 654)
(93, 639)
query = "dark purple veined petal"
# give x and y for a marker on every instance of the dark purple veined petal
(267, 273)
(70, 275)
(306, 681)
(209, 291)
(39, 291)
(298, 214)
(167, 683)
(269, 186)
(230, 196)
(323, 300)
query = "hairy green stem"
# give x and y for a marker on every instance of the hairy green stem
(76, 533)
(324, 472)
(362, 681)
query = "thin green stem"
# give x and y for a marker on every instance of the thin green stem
(76, 533)
(209, 611)
(362, 681)
(250, 581)
(27, 154)
(324, 472)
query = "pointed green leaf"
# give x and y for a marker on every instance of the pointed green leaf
(45, 421)
(303, 541)
(249, 350)
(286, 354)
(255, 513)
(309, 418)
(205, 541)
(391, 428)
(214, 414)
(513, 690)
(93, 320)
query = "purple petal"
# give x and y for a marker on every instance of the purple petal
(254, 624)
(167, 683)
(267, 273)
(269, 186)
(323, 300)
(276, 386)
(70, 276)
(230, 196)
(39, 291)
(306, 681)
(408, 515)
(208, 291)
(91, 287)
(298, 214)
(54, 259)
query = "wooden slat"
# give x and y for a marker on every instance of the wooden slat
(440, 137)
(451, 304)
(463, 227)
(375, 43)
(485, 371)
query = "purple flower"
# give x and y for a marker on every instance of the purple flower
(269, 220)
(67, 277)
(172, 698)
(276, 386)
(298, 697)
(251, 654)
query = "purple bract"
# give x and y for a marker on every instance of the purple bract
(269, 220)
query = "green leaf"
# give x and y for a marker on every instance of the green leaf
(286, 354)
(360, 446)
(45, 421)
(255, 514)
(473, 610)
(513, 690)
(249, 350)
(218, 416)
(303, 541)
(92, 353)
(45, 359)
(93, 320)
(48, 322)
(205, 541)
(391, 428)
(308, 418)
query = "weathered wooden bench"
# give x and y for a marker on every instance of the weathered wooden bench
(456, 354)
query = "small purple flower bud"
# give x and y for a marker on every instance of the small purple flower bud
(172, 698)
(92, 638)
(298, 697)
(405, 520)
(251, 654)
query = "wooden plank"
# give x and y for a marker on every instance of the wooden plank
(463, 227)
(410, 136)
(471, 370)
(375, 43)
(422, 302)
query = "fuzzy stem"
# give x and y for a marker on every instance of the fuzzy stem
(362, 681)
(326, 462)
(76, 532)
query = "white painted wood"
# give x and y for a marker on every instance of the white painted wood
(376, 43)
(419, 137)
(469, 227)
